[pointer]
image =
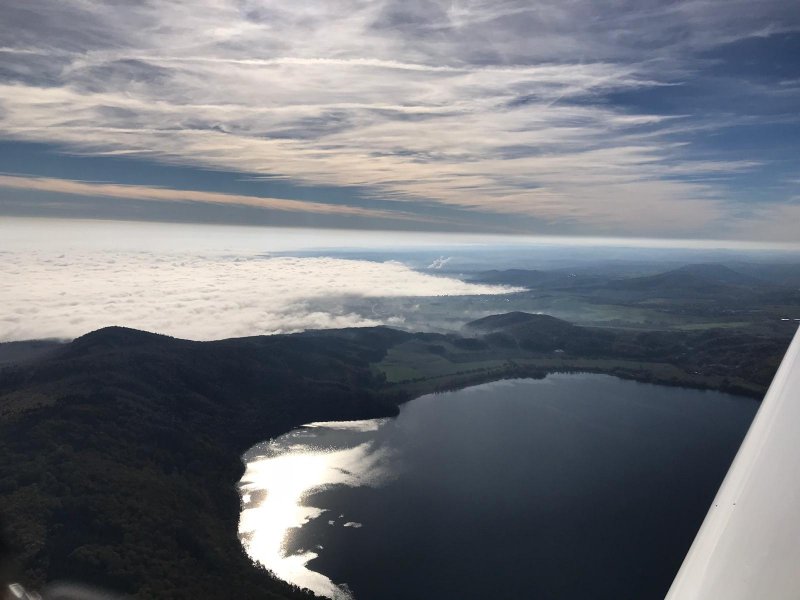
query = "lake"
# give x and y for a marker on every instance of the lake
(570, 487)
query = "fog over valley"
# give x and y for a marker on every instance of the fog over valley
(205, 282)
(201, 298)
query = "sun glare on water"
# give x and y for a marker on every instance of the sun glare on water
(279, 477)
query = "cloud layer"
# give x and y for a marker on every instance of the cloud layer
(509, 108)
(52, 295)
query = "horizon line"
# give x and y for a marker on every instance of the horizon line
(464, 238)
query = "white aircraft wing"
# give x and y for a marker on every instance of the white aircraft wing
(748, 547)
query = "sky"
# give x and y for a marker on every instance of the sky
(646, 119)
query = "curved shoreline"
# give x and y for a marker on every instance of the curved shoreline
(291, 446)
(113, 447)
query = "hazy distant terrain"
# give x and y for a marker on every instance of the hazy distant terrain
(16, 352)
(746, 296)
(207, 283)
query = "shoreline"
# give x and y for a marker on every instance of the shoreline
(523, 378)
(114, 446)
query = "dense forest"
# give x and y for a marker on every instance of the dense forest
(120, 452)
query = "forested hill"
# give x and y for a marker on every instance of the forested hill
(725, 359)
(120, 451)
(702, 280)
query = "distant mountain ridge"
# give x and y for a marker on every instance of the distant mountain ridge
(534, 278)
(702, 280)
(515, 319)
(706, 278)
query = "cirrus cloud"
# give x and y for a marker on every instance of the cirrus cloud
(160, 194)
(548, 115)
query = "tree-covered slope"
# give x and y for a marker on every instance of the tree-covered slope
(120, 451)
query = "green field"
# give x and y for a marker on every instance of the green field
(418, 366)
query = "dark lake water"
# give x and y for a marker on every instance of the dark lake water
(572, 487)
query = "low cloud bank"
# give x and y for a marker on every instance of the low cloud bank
(53, 295)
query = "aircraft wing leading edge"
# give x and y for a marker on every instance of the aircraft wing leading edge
(748, 546)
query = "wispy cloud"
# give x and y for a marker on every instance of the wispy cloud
(159, 194)
(491, 107)
(440, 262)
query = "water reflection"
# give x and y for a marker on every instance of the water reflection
(282, 473)
(570, 487)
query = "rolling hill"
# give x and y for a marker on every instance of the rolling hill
(706, 280)
(120, 451)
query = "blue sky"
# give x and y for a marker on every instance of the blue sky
(640, 119)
